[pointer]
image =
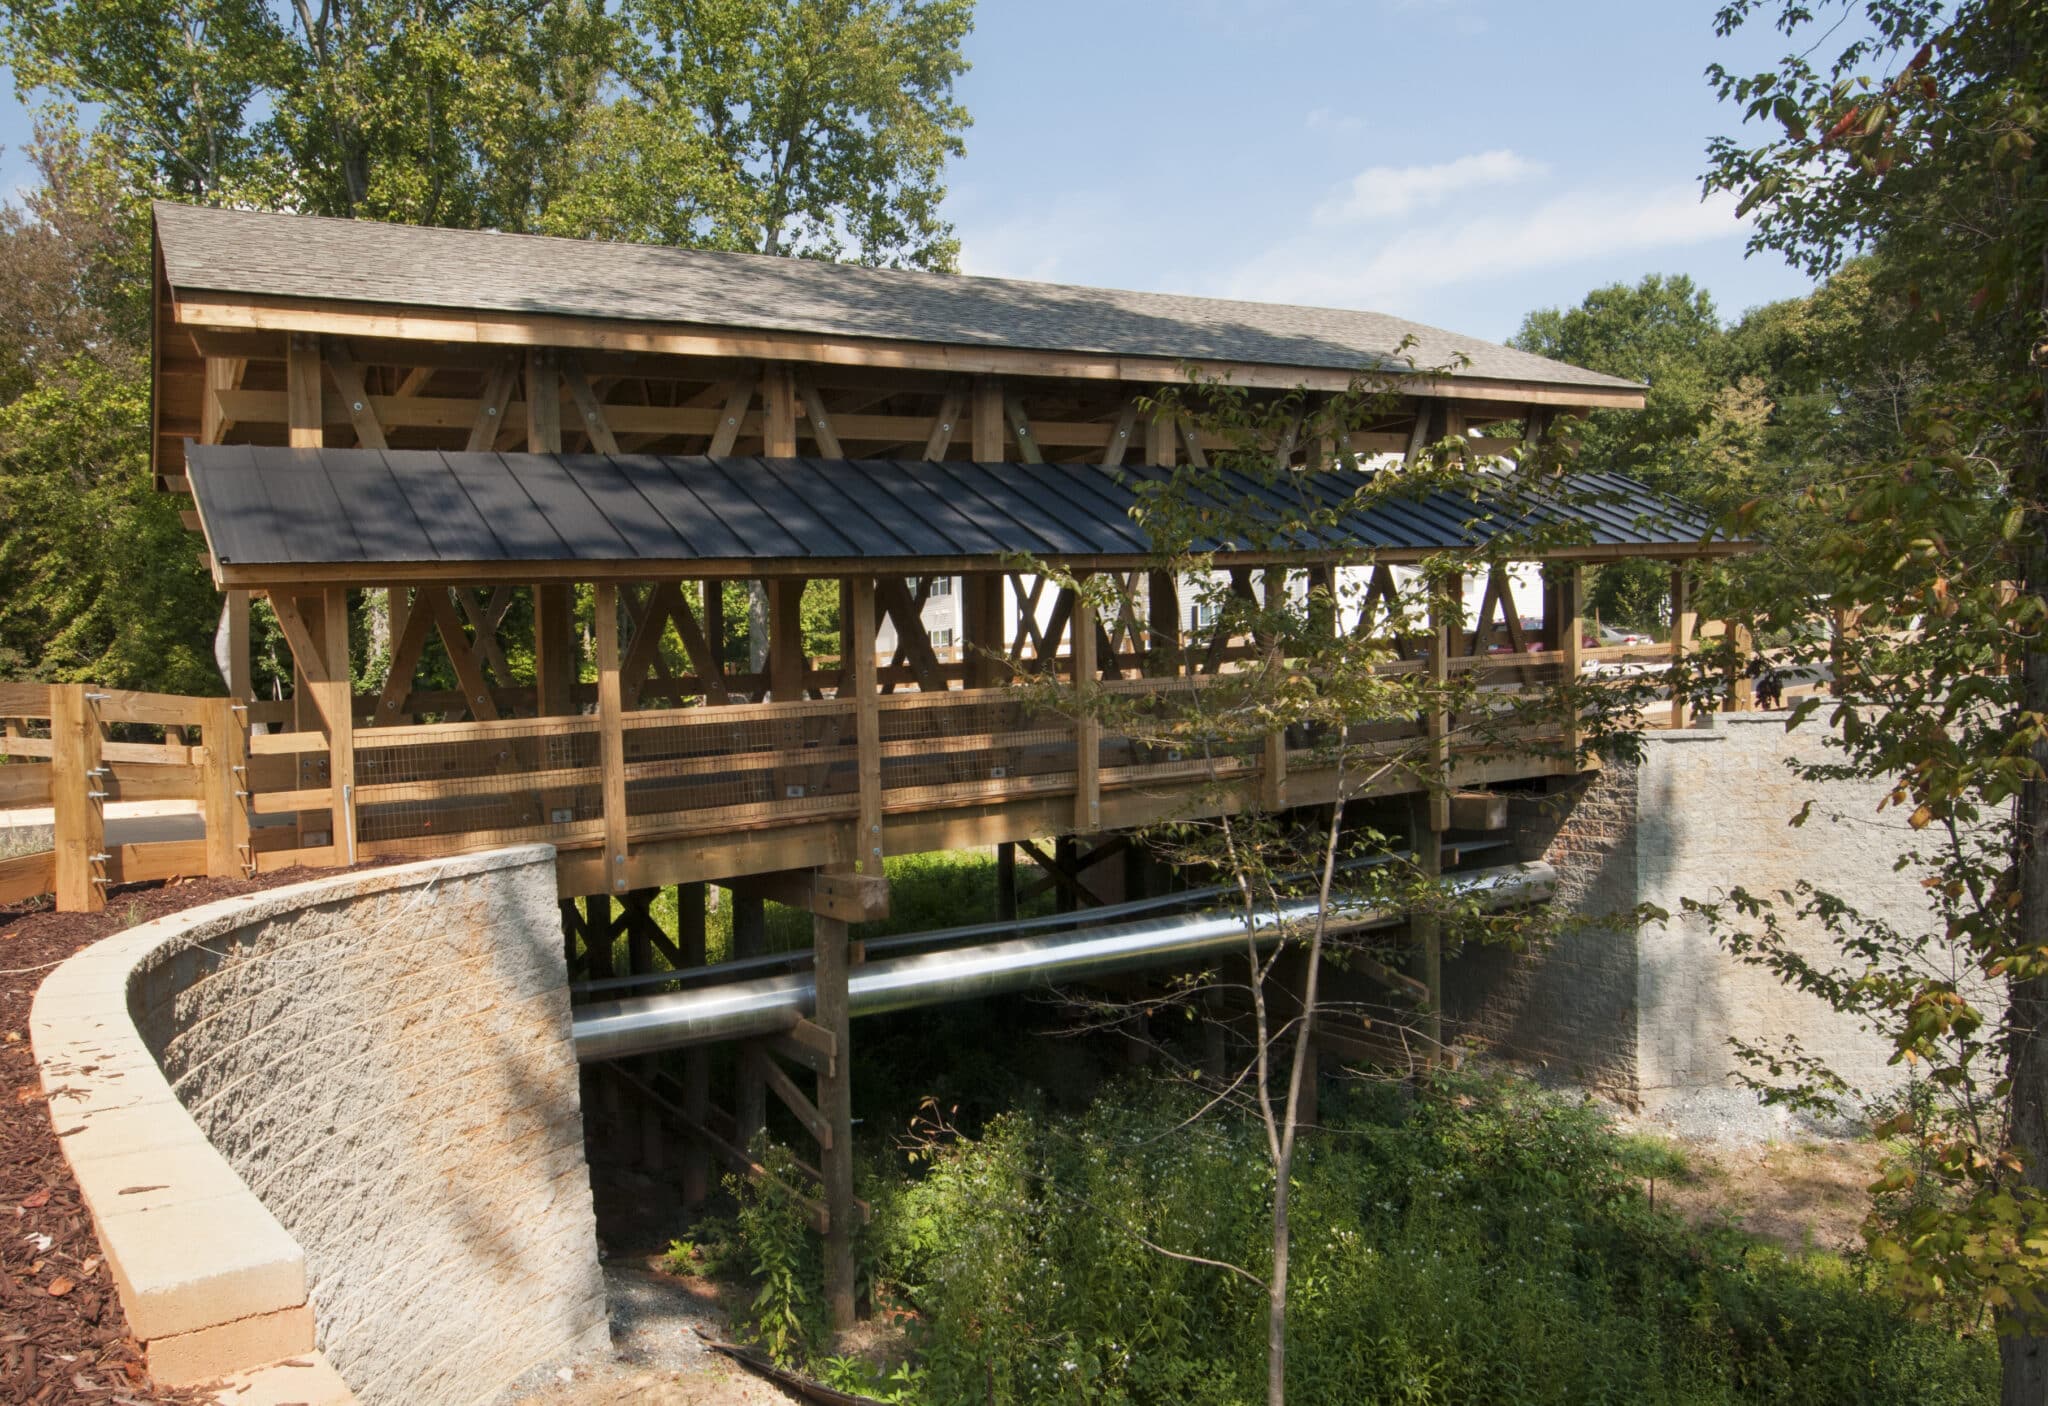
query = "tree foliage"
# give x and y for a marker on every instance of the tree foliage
(1915, 146)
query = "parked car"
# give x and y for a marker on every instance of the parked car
(1611, 637)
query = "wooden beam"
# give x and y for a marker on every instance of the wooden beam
(348, 380)
(725, 435)
(851, 898)
(488, 416)
(820, 422)
(1120, 435)
(611, 734)
(1478, 810)
(303, 392)
(479, 327)
(595, 425)
(223, 373)
(784, 1088)
(941, 438)
(1020, 426)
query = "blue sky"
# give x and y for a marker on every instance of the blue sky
(1458, 162)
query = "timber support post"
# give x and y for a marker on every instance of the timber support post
(831, 959)
(1682, 620)
(224, 788)
(78, 795)
(696, 1062)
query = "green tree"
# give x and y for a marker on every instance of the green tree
(1920, 141)
(819, 128)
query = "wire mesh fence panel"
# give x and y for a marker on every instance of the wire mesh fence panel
(746, 764)
(982, 740)
(532, 777)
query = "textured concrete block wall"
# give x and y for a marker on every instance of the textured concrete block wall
(390, 1071)
(1714, 815)
(1569, 1005)
(1648, 1014)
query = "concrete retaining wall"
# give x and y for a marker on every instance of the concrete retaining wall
(1649, 1014)
(376, 1072)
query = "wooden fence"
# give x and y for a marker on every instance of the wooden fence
(612, 781)
(74, 748)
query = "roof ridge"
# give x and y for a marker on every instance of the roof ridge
(797, 294)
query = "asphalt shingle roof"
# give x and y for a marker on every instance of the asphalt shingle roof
(309, 508)
(298, 256)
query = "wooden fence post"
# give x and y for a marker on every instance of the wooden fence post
(867, 725)
(78, 797)
(835, 1102)
(611, 735)
(1571, 597)
(224, 786)
(1087, 727)
(1682, 620)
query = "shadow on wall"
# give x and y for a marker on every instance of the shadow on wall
(1570, 1007)
(390, 1070)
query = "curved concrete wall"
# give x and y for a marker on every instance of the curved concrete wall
(382, 1059)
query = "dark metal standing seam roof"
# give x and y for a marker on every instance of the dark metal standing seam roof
(306, 509)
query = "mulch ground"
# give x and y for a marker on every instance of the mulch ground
(63, 1337)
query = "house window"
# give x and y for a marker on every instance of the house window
(942, 639)
(1202, 616)
(941, 586)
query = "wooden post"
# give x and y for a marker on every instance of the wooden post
(1741, 688)
(1682, 621)
(835, 1103)
(554, 650)
(697, 1061)
(988, 420)
(543, 402)
(307, 425)
(1087, 727)
(240, 679)
(224, 786)
(786, 659)
(778, 410)
(1425, 930)
(611, 735)
(867, 727)
(336, 698)
(1570, 600)
(1442, 613)
(78, 798)
(1006, 882)
(1162, 608)
(1273, 768)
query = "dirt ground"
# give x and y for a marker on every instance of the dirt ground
(1809, 1195)
(657, 1356)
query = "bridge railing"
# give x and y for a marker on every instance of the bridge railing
(266, 797)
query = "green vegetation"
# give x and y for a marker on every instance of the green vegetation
(1471, 1239)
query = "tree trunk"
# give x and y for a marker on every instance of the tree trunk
(2023, 1345)
(1276, 1290)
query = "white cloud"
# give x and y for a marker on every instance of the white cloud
(1394, 192)
(1339, 267)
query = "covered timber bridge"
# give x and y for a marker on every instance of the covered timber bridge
(473, 431)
